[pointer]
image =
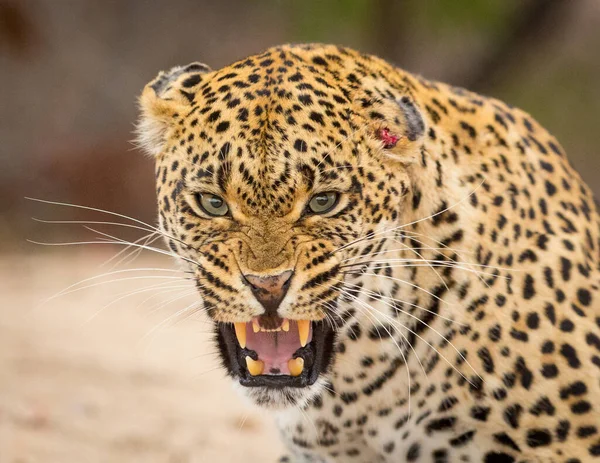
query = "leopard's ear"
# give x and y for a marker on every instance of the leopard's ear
(397, 124)
(170, 94)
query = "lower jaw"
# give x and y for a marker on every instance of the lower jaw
(281, 399)
(317, 356)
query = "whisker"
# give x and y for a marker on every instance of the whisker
(112, 237)
(167, 320)
(133, 253)
(405, 360)
(161, 305)
(118, 242)
(129, 294)
(399, 227)
(425, 248)
(384, 265)
(431, 328)
(458, 254)
(399, 280)
(114, 272)
(94, 222)
(117, 280)
(368, 292)
(103, 211)
(393, 321)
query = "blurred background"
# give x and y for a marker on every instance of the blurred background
(70, 72)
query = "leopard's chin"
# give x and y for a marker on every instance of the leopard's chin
(282, 398)
(279, 367)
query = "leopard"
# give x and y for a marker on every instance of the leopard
(396, 269)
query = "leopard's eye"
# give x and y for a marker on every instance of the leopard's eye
(323, 202)
(212, 204)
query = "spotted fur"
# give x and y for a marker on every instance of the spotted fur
(469, 333)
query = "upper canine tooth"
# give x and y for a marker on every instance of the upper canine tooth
(285, 326)
(255, 326)
(240, 333)
(303, 331)
(255, 367)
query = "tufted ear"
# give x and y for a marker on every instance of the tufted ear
(169, 94)
(397, 124)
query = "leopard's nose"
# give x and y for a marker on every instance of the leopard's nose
(269, 290)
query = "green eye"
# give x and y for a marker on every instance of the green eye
(323, 202)
(212, 204)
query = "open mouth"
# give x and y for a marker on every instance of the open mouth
(276, 352)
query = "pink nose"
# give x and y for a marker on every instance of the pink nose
(269, 290)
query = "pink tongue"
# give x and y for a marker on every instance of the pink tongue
(274, 348)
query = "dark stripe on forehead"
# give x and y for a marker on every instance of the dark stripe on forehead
(307, 172)
(223, 175)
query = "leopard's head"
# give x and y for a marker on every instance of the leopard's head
(272, 174)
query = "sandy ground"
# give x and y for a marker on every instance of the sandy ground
(82, 383)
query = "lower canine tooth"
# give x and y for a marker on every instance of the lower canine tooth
(303, 331)
(240, 333)
(255, 367)
(296, 366)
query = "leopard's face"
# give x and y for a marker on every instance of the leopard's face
(267, 176)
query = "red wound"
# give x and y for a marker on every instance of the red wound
(389, 139)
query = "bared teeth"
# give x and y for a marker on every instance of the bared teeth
(255, 367)
(303, 331)
(285, 326)
(255, 326)
(240, 333)
(296, 366)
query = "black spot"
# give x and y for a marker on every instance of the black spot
(550, 313)
(565, 268)
(570, 354)
(480, 413)
(547, 347)
(562, 430)
(214, 116)
(222, 126)
(566, 325)
(389, 447)
(486, 359)
(462, 439)
(550, 188)
(498, 457)
(549, 370)
(317, 117)
(413, 452)
(441, 424)
(495, 333)
(300, 145)
(574, 389)
(543, 405)
(539, 437)
(584, 296)
(581, 407)
(191, 81)
(528, 287)
(505, 439)
(354, 332)
(512, 415)
(533, 320)
(586, 431)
